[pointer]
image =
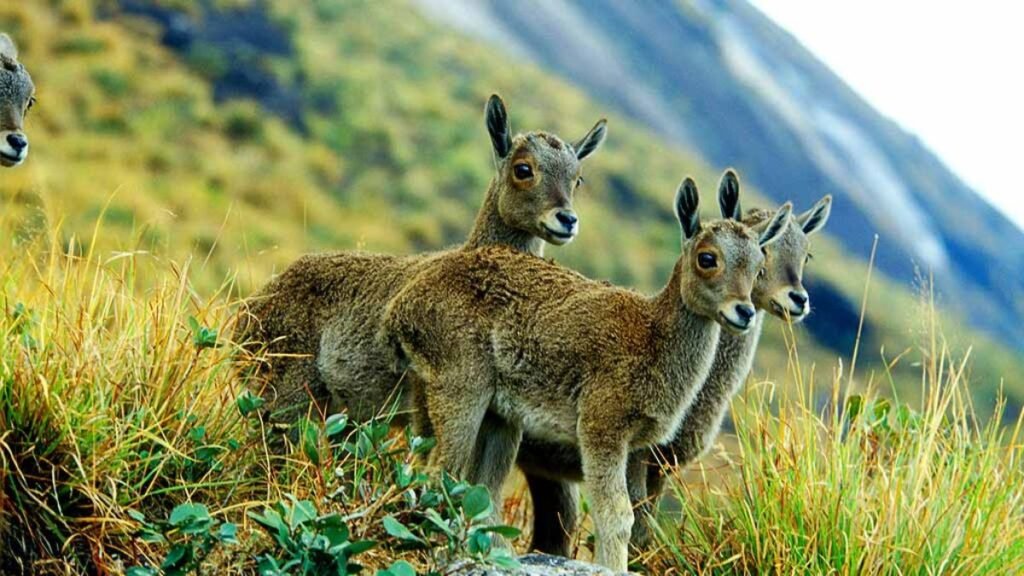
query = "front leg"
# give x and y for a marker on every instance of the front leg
(604, 449)
(642, 501)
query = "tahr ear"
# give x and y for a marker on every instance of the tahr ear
(7, 47)
(729, 195)
(497, 126)
(592, 141)
(774, 228)
(815, 218)
(687, 200)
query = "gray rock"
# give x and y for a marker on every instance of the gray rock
(533, 565)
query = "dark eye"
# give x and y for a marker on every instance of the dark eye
(31, 103)
(580, 181)
(707, 260)
(761, 273)
(809, 258)
(522, 171)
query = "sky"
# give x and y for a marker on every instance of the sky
(950, 72)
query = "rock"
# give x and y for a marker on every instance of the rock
(533, 565)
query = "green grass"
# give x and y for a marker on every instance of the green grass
(119, 401)
(857, 482)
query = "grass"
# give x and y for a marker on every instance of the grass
(119, 402)
(855, 482)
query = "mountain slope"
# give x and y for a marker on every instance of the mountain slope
(323, 132)
(720, 78)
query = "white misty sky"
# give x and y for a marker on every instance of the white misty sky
(950, 72)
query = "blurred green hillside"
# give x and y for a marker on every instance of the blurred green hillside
(353, 124)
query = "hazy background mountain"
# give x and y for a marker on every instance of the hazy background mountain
(245, 133)
(723, 80)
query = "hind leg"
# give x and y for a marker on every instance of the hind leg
(555, 504)
(456, 418)
(359, 374)
(493, 459)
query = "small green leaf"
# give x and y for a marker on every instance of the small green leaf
(142, 571)
(151, 536)
(404, 474)
(275, 525)
(189, 513)
(399, 530)
(228, 533)
(854, 406)
(176, 557)
(435, 518)
(137, 516)
(479, 543)
(503, 559)
(360, 546)
(302, 512)
(477, 502)
(248, 403)
(400, 568)
(422, 445)
(208, 453)
(309, 437)
(880, 412)
(431, 498)
(506, 531)
(336, 535)
(335, 424)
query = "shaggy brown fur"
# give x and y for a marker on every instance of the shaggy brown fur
(778, 290)
(17, 95)
(566, 359)
(319, 319)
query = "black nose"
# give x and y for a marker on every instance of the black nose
(567, 218)
(745, 311)
(17, 141)
(799, 298)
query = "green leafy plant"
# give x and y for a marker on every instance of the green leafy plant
(248, 403)
(399, 568)
(191, 535)
(441, 518)
(450, 519)
(202, 336)
(307, 542)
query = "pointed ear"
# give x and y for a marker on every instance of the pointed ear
(687, 200)
(815, 218)
(729, 195)
(592, 141)
(7, 47)
(497, 126)
(774, 228)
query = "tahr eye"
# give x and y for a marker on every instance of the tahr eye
(707, 261)
(809, 258)
(522, 171)
(579, 181)
(761, 273)
(31, 103)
